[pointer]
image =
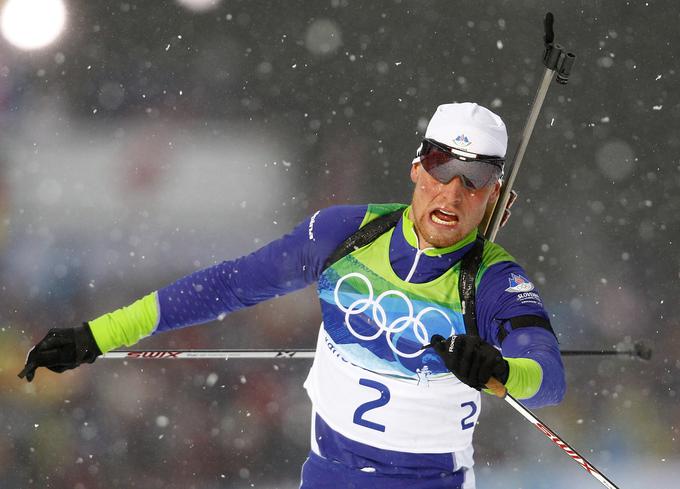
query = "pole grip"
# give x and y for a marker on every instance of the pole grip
(496, 388)
(565, 68)
(551, 57)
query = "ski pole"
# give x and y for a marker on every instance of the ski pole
(499, 390)
(639, 350)
(557, 62)
(555, 59)
(208, 354)
(577, 457)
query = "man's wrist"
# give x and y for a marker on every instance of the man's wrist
(127, 325)
(524, 377)
(502, 372)
(87, 349)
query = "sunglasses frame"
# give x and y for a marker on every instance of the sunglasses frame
(462, 156)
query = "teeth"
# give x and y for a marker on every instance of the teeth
(447, 213)
(440, 221)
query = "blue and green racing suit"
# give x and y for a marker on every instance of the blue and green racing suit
(382, 408)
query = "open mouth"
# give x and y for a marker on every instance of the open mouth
(446, 218)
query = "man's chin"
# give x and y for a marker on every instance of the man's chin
(444, 243)
(445, 239)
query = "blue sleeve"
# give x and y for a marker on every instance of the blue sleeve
(504, 292)
(287, 264)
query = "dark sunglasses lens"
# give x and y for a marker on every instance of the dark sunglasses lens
(433, 159)
(444, 168)
(426, 147)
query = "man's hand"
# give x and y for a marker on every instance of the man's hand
(62, 349)
(506, 211)
(471, 359)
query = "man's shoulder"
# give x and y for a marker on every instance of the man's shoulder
(500, 272)
(373, 211)
(495, 253)
(336, 220)
(349, 217)
(498, 265)
(326, 229)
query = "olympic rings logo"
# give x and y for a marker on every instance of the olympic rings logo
(380, 316)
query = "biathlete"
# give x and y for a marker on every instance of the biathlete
(419, 314)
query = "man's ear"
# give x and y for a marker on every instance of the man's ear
(495, 193)
(415, 169)
(490, 204)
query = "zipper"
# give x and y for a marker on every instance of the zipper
(415, 262)
(413, 267)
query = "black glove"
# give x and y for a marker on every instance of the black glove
(471, 359)
(62, 349)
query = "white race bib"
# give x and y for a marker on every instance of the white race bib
(419, 415)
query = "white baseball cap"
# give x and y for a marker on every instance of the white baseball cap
(469, 128)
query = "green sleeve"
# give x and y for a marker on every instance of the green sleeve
(525, 377)
(127, 325)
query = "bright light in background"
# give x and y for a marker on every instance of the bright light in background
(32, 24)
(199, 5)
(323, 37)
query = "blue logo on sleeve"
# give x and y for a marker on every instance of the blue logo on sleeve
(519, 284)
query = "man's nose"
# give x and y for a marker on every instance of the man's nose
(454, 189)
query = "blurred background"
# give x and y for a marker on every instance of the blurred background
(140, 141)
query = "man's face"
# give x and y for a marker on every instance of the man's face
(443, 214)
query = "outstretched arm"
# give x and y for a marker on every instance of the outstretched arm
(284, 265)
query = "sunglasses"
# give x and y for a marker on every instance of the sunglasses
(444, 164)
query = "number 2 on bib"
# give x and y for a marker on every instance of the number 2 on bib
(465, 423)
(367, 406)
